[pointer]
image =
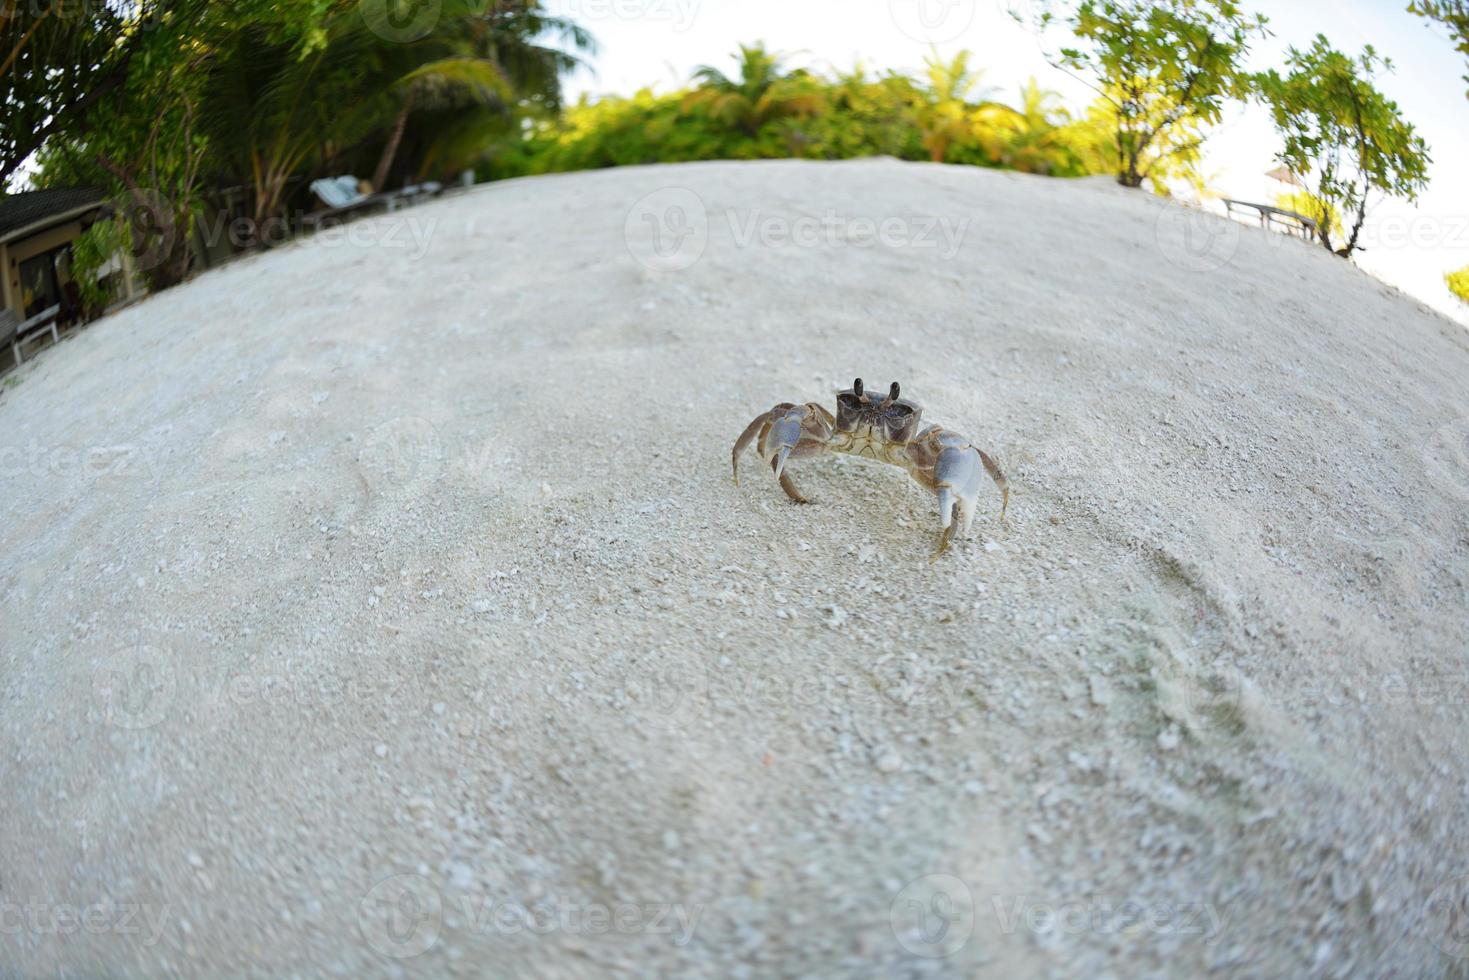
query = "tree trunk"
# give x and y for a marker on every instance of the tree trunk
(385, 162)
(1128, 155)
(164, 262)
(1351, 245)
(268, 190)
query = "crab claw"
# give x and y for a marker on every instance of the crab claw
(785, 432)
(957, 480)
(778, 444)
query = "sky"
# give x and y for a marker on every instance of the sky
(658, 44)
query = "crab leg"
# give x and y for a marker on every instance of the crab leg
(785, 432)
(751, 430)
(994, 471)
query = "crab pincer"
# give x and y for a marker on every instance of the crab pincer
(958, 477)
(786, 431)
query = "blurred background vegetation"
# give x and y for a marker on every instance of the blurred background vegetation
(764, 109)
(178, 107)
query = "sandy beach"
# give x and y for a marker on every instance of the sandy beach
(382, 604)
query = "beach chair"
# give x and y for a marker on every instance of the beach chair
(19, 333)
(342, 197)
(418, 193)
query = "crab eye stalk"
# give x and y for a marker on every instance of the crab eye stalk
(893, 393)
(857, 387)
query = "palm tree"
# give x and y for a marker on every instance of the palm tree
(1032, 138)
(272, 113)
(953, 80)
(949, 118)
(446, 80)
(490, 56)
(268, 111)
(763, 92)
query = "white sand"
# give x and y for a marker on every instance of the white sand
(347, 562)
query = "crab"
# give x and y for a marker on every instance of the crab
(884, 429)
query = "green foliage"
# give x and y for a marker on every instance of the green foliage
(1342, 135)
(762, 93)
(767, 112)
(65, 62)
(1039, 137)
(1453, 14)
(1313, 207)
(267, 94)
(870, 116)
(1173, 153)
(1459, 283)
(955, 128)
(1166, 68)
(143, 144)
(270, 111)
(614, 132)
(91, 253)
(58, 61)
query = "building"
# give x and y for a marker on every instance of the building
(37, 229)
